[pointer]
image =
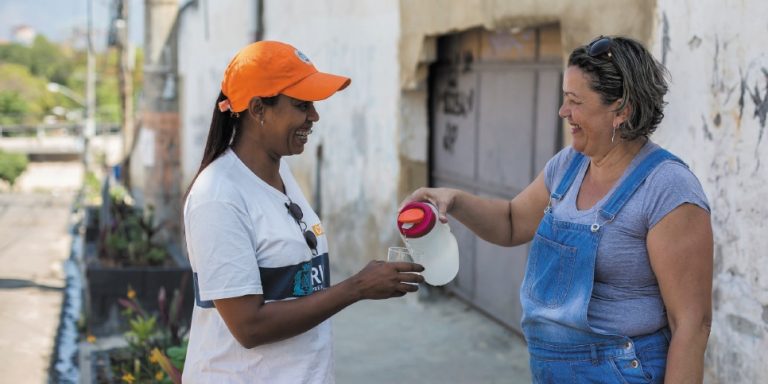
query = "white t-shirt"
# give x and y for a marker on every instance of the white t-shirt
(242, 241)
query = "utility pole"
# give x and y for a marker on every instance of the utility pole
(125, 77)
(90, 91)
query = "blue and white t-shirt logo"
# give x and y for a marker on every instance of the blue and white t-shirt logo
(302, 56)
(302, 281)
(296, 280)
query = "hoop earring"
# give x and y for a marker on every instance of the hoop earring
(613, 136)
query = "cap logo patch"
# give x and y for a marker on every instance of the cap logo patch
(302, 56)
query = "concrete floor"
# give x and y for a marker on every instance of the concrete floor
(430, 338)
(437, 339)
(34, 242)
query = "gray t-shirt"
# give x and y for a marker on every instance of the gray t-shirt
(626, 299)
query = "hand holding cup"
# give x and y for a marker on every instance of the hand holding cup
(403, 255)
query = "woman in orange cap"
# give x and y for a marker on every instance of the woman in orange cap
(258, 252)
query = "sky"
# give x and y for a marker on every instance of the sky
(57, 19)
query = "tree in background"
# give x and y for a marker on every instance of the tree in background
(25, 72)
(12, 165)
(12, 106)
(43, 58)
(23, 96)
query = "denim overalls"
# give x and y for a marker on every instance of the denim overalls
(557, 288)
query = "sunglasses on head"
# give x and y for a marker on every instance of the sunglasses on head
(295, 211)
(600, 46)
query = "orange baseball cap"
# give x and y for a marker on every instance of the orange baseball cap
(269, 68)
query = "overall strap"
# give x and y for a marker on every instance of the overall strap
(570, 175)
(635, 179)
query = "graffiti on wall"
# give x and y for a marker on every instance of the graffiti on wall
(754, 82)
(760, 100)
(456, 103)
(740, 91)
(449, 136)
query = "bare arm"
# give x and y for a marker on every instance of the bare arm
(498, 221)
(680, 250)
(253, 322)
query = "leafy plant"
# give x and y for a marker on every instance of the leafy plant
(156, 348)
(129, 238)
(12, 165)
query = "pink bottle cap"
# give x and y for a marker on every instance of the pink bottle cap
(416, 219)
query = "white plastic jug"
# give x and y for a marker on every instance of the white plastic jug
(435, 246)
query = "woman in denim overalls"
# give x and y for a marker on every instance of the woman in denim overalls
(617, 288)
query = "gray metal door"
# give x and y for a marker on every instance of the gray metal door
(494, 125)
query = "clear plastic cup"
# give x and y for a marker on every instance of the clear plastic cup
(401, 254)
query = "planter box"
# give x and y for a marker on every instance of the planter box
(94, 360)
(105, 285)
(100, 362)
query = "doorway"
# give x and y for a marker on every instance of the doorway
(494, 97)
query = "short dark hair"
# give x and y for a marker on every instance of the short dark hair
(629, 72)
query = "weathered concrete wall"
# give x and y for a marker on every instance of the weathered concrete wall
(209, 35)
(370, 146)
(580, 21)
(158, 140)
(374, 135)
(716, 121)
(359, 168)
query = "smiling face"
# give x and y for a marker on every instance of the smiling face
(288, 124)
(590, 120)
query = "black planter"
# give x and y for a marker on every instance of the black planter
(91, 222)
(105, 285)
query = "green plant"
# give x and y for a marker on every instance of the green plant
(156, 349)
(12, 165)
(129, 238)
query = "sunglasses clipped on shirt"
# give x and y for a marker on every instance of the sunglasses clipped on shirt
(295, 211)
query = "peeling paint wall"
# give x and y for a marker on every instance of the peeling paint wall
(716, 121)
(580, 21)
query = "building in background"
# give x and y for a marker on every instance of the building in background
(154, 172)
(465, 94)
(24, 35)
